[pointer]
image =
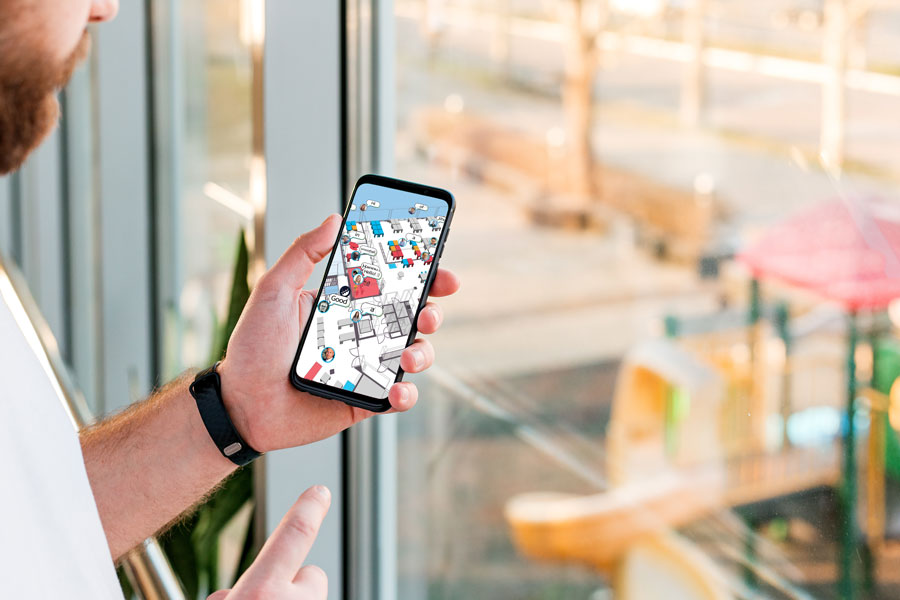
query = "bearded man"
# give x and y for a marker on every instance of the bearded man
(75, 503)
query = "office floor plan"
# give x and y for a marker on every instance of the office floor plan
(364, 315)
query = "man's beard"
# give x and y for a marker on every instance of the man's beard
(28, 105)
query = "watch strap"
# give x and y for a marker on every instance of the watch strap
(207, 391)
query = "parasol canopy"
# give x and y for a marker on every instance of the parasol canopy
(846, 250)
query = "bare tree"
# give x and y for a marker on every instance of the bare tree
(844, 26)
(836, 41)
(584, 21)
(693, 86)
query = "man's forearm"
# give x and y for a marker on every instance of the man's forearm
(149, 464)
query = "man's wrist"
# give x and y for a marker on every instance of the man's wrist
(203, 444)
(236, 406)
(207, 391)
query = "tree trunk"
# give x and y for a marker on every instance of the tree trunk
(577, 100)
(693, 85)
(834, 96)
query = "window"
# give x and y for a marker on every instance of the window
(204, 118)
(609, 350)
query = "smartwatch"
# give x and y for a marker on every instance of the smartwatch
(207, 391)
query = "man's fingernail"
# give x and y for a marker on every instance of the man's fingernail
(436, 315)
(418, 358)
(404, 394)
(322, 492)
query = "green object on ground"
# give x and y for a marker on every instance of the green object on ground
(885, 370)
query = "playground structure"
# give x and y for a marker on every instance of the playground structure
(717, 416)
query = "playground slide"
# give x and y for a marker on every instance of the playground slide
(599, 529)
(668, 566)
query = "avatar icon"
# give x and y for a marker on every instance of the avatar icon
(328, 354)
(412, 210)
(363, 207)
(356, 315)
(357, 278)
(323, 306)
(434, 241)
(354, 255)
(345, 290)
(345, 239)
(425, 256)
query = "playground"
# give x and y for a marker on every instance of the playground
(758, 416)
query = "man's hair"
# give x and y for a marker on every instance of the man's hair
(28, 85)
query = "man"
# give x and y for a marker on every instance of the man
(150, 463)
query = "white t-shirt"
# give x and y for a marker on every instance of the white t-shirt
(51, 542)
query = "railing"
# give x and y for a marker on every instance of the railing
(149, 572)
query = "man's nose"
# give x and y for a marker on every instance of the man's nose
(103, 10)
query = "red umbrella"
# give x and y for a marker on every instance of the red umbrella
(846, 250)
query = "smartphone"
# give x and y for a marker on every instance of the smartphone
(377, 280)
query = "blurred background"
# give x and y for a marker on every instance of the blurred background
(670, 370)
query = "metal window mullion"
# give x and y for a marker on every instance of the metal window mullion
(82, 245)
(6, 216)
(371, 445)
(169, 106)
(41, 228)
(302, 141)
(126, 337)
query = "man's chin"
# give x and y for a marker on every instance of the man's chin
(20, 137)
(30, 111)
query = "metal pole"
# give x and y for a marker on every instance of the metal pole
(782, 317)
(848, 492)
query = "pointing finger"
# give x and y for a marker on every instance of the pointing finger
(286, 549)
(313, 583)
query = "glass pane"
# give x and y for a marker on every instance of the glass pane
(207, 131)
(669, 371)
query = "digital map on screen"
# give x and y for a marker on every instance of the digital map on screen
(364, 315)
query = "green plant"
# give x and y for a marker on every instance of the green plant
(193, 545)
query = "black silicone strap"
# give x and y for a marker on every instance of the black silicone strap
(207, 391)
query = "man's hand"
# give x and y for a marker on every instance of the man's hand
(158, 454)
(277, 573)
(266, 409)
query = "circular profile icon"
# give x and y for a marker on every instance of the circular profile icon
(357, 278)
(356, 315)
(323, 306)
(345, 239)
(433, 241)
(328, 354)
(412, 210)
(354, 255)
(426, 256)
(363, 207)
(345, 290)
(403, 243)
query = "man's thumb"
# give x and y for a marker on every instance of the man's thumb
(220, 595)
(296, 264)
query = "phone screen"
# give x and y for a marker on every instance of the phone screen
(364, 313)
